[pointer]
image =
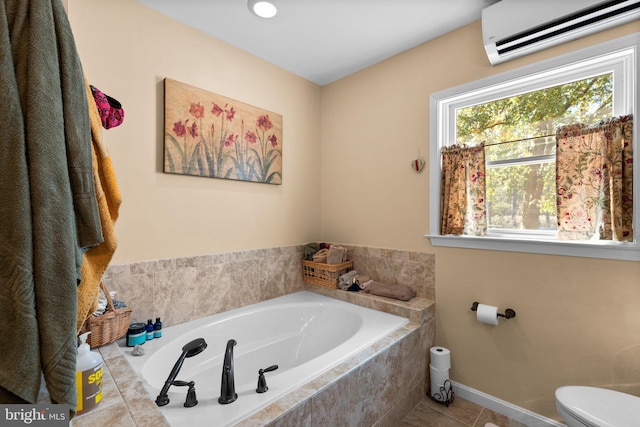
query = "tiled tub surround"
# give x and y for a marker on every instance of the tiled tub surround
(182, 289)
(392, 266)
(304, 333)
(377, 386)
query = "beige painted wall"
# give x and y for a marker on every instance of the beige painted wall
(577, 321)
(127, 50)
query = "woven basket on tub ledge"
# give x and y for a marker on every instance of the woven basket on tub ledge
(107, 327)
(327, 275)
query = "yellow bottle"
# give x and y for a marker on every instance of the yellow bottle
(88, 377)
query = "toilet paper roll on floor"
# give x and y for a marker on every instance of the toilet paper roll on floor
(440, 357)
(487, 314)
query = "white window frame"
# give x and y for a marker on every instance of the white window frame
(623, 53)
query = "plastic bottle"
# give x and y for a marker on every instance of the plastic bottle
(149, 329)
(157, 328)
(136, 334)
(88, 377)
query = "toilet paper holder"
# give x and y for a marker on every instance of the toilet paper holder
(508, 313)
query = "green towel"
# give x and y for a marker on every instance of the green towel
(17, 301)
(47, 199)
(310, 249)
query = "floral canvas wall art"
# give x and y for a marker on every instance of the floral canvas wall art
(206, 134)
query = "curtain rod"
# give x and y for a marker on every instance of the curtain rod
(519, 140)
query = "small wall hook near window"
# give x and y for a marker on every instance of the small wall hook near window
(418, 163)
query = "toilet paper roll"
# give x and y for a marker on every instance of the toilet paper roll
(487, 314)
(440, 357)
(438, 378)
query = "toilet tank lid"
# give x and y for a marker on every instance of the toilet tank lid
(599, 405)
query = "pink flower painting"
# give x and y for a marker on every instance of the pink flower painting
(210, 135)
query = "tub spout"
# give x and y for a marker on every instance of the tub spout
(227, 386)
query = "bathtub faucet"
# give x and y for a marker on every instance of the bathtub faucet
(227, 386)
(190, 349)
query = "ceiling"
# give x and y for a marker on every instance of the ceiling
(324, 40)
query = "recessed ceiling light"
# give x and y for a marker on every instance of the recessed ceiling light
(263, 9)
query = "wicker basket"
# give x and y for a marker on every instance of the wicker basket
(109, 326)
(327, 275)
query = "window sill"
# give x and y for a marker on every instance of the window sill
(604, 250)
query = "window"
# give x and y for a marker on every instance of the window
(520, 148)
(515, 116)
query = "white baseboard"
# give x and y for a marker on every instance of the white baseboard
(524, 416)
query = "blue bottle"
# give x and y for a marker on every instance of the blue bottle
(157, 328)
(149, 330)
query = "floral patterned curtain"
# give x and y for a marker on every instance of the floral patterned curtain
(594, 180)
(463, 191)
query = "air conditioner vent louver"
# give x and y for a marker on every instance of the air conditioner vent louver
(546, 23)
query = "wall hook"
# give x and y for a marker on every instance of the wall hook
(508, 313)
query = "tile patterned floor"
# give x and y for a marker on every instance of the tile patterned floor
(460, 413)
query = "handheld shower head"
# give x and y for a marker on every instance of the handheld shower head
(190, 349)
(195, 347)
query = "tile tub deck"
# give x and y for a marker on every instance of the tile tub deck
(401, 354)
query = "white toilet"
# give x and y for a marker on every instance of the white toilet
(581, 406)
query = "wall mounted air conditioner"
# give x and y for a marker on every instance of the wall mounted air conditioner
(513, 28)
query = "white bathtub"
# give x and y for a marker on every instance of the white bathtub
(305, 334)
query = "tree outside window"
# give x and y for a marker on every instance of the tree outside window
(518, 133)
